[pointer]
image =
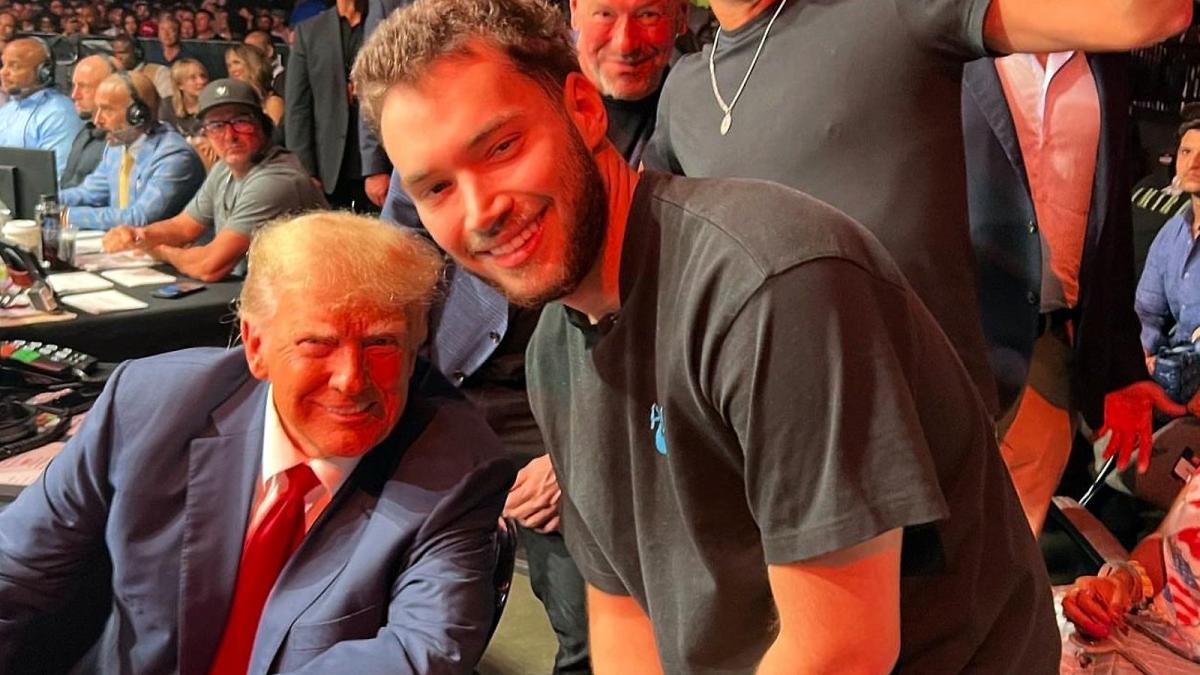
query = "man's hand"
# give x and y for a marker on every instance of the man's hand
(377, 187)
(1128, 414)
(534, 497)
(1096, 604)
(120, 238)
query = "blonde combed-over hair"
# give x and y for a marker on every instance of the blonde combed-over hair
(369, 262)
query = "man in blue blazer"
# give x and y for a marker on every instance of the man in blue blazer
(176, 470)
(161, 170)
(1103, 356)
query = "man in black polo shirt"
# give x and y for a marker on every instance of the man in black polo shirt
(747, 407)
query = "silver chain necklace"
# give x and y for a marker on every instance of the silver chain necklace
(727, 120)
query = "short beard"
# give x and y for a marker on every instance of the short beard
(585, 239)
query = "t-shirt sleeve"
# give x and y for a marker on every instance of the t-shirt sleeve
(953, 27)
(814, 377)
(201, 206)
(586, 553)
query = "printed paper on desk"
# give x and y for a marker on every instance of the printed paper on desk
(66, 283)
(103, 302)
(96, 262)
(140, 276)
(88, 242)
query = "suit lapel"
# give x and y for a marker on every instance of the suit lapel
(982, 82)
(222, 470)
(332, 540)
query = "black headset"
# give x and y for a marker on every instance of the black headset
(137, 113)
(45, 69)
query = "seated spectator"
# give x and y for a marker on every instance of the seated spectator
(168, 38)
(254, 182)
(187, 30)
(262, 40)
(130, 25)
(88, 145)
(47, 23)
(188, 78)
(128, 54)
(8, 26)
(148, 173)
(314, 502)
(1168, 297)
(221, 25)
(37, 116)
(204, 26)
(248, 64)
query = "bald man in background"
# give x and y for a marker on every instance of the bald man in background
(88, 145)
(37, 116)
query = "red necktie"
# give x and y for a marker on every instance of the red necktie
(277, 536)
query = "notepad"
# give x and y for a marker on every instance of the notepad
(139, 276)
(104, 302)
(66, 283)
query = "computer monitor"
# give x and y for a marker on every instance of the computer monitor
(26, 175)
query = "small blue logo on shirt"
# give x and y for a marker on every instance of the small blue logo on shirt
(659, 427)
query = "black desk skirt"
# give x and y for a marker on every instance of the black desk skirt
(203, 319)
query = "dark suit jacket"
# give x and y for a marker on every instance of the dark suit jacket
(394, 577)
(318, 113)
(1004, 233)
(374, 159)
(86, 150)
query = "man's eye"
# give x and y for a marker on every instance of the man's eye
(438, 188)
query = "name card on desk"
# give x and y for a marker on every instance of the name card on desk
(66, 283)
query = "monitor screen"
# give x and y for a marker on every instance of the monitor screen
(26, 175)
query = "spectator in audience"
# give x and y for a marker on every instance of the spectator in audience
(116, 18)
(180, 109)
(127, 52)
(168, 39)
(738, 489)
(1045, 155)
(8, 26)
(141, 10)
(131, 25)
(204, 25)
(148, 173)
(322, 128)
(71, 25)
(1154, 202)
(246, 63)
(47, 23)
(89, 143)
(314, 502)
(1168, 298)
(221, 27)
(262, 20)
(254, 182)
(56, 8)
(912, 193)
(182, 12)
(187, 30)
(37, 116)
(88, 18)
(263, 42)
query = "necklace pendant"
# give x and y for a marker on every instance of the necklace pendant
(726, 122)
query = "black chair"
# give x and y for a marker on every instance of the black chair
(506, 556)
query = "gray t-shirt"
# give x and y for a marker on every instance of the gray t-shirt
(772, 390)
(857, 103)
(274, 187)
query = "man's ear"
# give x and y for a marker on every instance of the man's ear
(574, 13)
(585, 108)
(252, 341)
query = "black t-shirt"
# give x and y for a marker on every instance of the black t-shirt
(631, 124)
(857, 103)
(772, 390)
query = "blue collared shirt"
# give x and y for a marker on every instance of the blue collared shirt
(43, 120)
(1168, 294)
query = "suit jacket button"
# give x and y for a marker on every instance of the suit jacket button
(1032, 226)
(1032, 298)
(494, 336)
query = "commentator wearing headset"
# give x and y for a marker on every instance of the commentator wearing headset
(37, 116)
(148, 171)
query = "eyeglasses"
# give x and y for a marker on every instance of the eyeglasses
(240, 125)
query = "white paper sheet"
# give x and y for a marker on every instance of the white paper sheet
(103, 302)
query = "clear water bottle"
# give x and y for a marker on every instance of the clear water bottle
(48, 214)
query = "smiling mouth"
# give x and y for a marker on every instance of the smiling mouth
(355, 410)
(518, 240)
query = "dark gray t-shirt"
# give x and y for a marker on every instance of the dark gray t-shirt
(772, 390)
(855, 102)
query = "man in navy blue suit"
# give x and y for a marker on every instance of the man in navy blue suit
(189, 462)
